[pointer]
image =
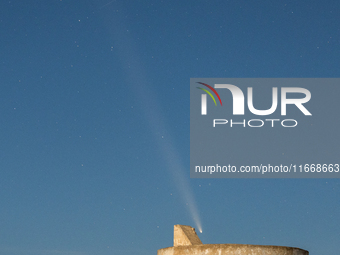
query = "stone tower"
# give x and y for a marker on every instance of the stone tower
(186, 242)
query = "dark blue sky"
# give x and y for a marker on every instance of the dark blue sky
(94, 107)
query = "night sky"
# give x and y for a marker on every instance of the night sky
(94, 132)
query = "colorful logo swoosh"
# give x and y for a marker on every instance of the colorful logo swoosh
(213, 90)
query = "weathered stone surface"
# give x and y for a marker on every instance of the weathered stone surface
(185, 235)
(231, 249)
(186, 242)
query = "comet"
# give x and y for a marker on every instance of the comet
(138, 81)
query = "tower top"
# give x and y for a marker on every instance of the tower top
(187, 242)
